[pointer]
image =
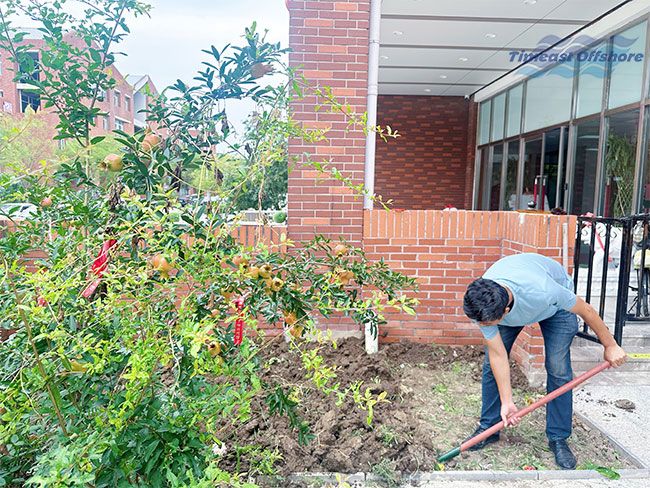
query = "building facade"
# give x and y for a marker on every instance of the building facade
(527, 106)
(480, 130)
(573, 133)
(121, 106)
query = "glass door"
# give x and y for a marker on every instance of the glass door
(496, 165)
(510, 177)
(551, 182)
(532, 167)
(620, 164)
(585, 164)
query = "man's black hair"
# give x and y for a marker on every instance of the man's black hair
(485, 300)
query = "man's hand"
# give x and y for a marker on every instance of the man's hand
(615, 355)
(508, 409)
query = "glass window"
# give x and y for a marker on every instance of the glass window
(548, 97)
(127, 103)
(29, 66)
(496, 164)
(620, 161)
(554, 158)
(119, 125)
(591, 75)
(512, 164)
(116, 98)
(484, 122)
(515, 99)
(106, 123)
(532, 168)
(645, 188)
(498, 116)
(584, 170)
(29, 99)
(627, 66)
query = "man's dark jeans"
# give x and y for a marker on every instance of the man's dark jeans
(558, 332)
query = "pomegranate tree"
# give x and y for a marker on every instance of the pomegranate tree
(136, 329)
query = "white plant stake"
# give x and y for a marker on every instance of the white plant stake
(372, 342)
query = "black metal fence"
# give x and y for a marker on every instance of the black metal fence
(613, 251)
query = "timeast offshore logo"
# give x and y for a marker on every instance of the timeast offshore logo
(592, 56)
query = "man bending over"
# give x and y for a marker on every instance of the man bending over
(516, 291)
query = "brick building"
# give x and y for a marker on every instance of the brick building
(481, 128)
(120, 104)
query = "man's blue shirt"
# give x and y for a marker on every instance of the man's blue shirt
(540, 287)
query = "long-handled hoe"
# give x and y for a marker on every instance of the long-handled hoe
(525, 411)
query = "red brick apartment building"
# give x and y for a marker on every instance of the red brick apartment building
(122, 104)
(480, 131)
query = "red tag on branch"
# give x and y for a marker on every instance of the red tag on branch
(101, 263)
(239, 323)
(98, 267)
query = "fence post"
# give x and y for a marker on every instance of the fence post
(623, 280)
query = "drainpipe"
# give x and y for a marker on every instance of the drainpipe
(373, 82)
(372, 342)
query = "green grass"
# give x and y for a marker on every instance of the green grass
(385, 470)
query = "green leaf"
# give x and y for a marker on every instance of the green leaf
(608, 473)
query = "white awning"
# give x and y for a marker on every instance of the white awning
(456, 47)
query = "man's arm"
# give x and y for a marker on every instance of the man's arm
(498, 358)
(613, 352)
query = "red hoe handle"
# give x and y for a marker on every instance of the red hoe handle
(522, 413)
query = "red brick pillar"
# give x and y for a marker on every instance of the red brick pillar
(329, 42)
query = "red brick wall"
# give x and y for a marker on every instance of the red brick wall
(329, 42)
(426, 167)
(11, 95)
(445, 251)
(109, 105)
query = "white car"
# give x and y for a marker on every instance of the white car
(20, 211)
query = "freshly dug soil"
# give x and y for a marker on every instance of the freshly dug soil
(434, 403)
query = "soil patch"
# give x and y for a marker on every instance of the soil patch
(434, 403)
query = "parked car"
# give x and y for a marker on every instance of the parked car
(20, 211)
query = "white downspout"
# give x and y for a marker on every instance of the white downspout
(565, 246)
(373, 82)
(372, 343)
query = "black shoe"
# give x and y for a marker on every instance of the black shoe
(564, 458)
(484, 443)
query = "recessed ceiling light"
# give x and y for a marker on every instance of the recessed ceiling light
(443, 76)
(398, 33)
(463, 59)
(530, 2)
(428, 90)
(490, 35)
(383, 57)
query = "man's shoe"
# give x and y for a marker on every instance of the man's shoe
(564, 458)
(484, 443)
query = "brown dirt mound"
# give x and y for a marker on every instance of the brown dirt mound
(434, 403)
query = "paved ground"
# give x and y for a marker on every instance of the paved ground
(624, 483)
(621, 412)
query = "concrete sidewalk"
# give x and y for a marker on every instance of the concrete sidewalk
(621, 412)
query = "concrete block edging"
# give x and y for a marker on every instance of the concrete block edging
(358, 479)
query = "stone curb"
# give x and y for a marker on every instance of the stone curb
(359, 479)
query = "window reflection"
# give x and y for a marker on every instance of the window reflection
(620, 159)
(510, 190)
(585, 164)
